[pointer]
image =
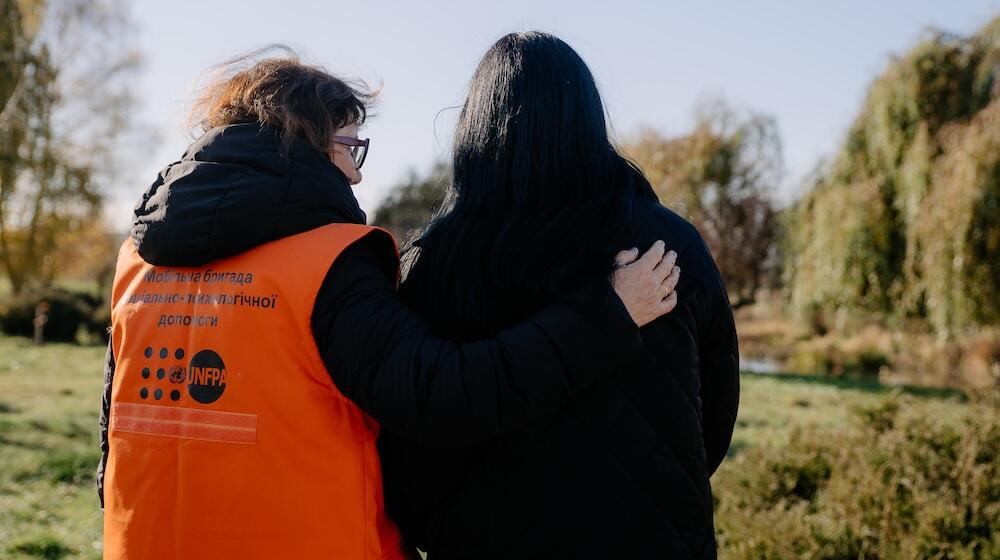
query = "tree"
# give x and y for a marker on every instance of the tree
(411, 204)
(904, 221)
(67, 67)
(721, 176)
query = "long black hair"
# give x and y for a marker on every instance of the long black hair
(540, 200)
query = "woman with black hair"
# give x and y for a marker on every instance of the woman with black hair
(539, 202)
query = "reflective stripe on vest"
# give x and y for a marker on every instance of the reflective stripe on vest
(227, 437)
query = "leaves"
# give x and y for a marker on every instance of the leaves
(721, 177)
(903, 222)
(66, 83)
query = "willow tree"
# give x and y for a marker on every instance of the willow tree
(903, 221)
(65, 85)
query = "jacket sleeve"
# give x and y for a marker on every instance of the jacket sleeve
(109, 375)
(384, 357)
(719, 361)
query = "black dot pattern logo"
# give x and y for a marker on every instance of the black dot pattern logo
(176, 374)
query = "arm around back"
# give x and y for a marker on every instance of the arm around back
(385, 358)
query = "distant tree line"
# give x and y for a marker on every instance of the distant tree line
(903, 223)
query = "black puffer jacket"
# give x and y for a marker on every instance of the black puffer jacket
(622, 471)
(235, 189)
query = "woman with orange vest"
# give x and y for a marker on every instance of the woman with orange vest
(258, 346)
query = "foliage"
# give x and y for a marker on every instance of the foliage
(721, 176)
(959, 229)
(70, 315)
(905, 222)
(411, 204)
(896, 484)
(66, 79)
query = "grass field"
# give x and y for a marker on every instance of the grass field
(49, 399)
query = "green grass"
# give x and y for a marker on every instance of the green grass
(49, 404)
(50, 396)
(772, 406)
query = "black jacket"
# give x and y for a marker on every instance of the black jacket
(236, 188)
(622, 471)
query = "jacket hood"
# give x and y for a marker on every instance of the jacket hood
(235, 188)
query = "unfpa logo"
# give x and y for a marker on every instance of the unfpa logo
(206, 377)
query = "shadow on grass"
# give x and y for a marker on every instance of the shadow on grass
(865, 384)
(70, 467)
(42, 547)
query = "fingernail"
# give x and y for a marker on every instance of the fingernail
(672, 254)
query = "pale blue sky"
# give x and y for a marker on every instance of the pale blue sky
(805, 63)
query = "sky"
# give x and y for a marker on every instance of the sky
(807, 64)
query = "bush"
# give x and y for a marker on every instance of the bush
(70, 314)
(896, 485)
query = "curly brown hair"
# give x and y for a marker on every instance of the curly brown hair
(298, 99)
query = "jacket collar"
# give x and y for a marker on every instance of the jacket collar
(237, 187)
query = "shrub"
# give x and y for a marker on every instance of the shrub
(69, 313)
(894, 485)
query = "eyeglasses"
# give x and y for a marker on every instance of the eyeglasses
(359, 148)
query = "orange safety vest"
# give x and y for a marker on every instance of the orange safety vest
(227, 437)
